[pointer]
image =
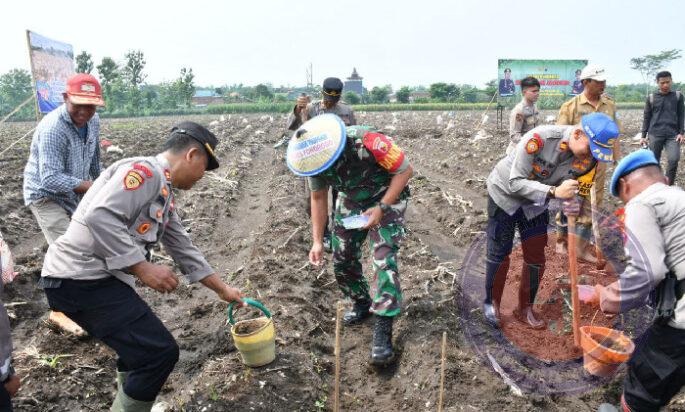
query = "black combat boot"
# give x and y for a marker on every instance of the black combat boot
(382, 353)
(359, 312)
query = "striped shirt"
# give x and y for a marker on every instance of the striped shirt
(61, 159)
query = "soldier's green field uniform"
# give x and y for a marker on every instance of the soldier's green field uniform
(362, 178)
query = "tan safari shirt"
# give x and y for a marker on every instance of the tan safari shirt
(129, 208)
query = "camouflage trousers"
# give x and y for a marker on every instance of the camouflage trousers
(384, 242)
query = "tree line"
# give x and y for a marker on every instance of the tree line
(127, 93)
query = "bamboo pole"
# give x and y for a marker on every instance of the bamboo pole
(336, 387)
(573, 270)
(442, 371)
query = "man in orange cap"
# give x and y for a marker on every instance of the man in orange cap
(63, 163)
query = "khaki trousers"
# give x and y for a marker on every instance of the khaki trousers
(51, 217)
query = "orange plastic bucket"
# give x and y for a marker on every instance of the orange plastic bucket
(604, 349)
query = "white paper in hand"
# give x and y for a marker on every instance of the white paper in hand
(355, 222)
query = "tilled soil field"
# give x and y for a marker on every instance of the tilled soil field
(250, 220)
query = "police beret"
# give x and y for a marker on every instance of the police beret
(630, 163)
(602, 132)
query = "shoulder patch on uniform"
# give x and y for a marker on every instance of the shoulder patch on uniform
(563, 146)
(519, 117)
(386, 152)
(133, 180)
(534, 144)
(143, 228)
(143, 169)
(167, 175)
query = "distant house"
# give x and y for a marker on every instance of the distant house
(418, 95)
(354, 83)
(206, 97)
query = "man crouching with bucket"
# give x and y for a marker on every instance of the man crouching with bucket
(370, 173)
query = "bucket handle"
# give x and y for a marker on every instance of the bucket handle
(251, 302)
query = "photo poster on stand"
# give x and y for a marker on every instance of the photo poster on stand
(52, 63)
(558, 78)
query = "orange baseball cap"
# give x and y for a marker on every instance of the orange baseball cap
(83, 88)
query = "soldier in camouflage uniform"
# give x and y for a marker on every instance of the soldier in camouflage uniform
(371, 175)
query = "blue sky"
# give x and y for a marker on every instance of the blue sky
(396, 42)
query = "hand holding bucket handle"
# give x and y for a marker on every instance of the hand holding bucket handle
(248, 301)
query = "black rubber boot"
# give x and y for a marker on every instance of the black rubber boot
(382, 353)
(359, 312)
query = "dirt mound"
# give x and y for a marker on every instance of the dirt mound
(248, 217)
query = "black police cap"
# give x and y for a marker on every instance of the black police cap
(203, 136)
(332, 88)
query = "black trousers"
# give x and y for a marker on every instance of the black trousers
(657, 144)
(656, 371)
(110, 310)
(500, 242)
(5, 400)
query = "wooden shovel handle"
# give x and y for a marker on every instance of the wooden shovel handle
(573, 271)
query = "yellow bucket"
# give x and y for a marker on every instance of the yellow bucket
(254, 338)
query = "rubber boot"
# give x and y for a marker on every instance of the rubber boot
(123, 402)
(121, 380)
(359, 312)
(382, 353)
(607, 407)
(491, 314)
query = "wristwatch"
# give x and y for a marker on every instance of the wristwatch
(384, 208)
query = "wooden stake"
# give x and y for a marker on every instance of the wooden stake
(573, 270)
(336, 387)
(442, 371)
(601, 262)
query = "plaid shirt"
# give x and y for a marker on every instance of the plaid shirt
(60, 159)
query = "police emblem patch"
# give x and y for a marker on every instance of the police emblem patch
(384, 150)
(143, 228)
(143, 169)
(133, 180)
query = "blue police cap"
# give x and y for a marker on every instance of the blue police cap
(630, 163)
(602, 132)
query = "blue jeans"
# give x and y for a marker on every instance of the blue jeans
(500, 241)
